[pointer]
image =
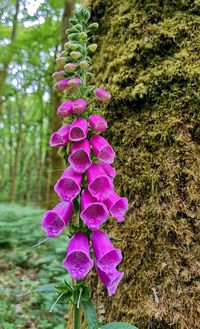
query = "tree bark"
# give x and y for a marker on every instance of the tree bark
(57, 163)
(148, 59)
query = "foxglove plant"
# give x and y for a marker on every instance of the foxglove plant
(86, 187)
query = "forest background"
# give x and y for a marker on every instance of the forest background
(148, 56)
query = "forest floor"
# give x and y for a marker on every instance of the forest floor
(24, 268)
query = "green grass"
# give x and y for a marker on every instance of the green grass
(24, 268)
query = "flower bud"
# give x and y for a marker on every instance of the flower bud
(72, 30)
(74, 82)
(73, 21)
(92, 47)
(64, 53)
(70, 67)
(73, 36)
(79, 27)
(79, 106)
(93, 26)
(84, 65)
(75, 54)
(83, 35)
(102, 95)
(60, 62)
(61, 84)
(58, 75)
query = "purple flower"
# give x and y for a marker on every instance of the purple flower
(97, 123)
(58, 75)
(79, 158)
(102, 95)
(70, 67)
(110, 171)
(107, 257)
(55, 220)
(65, 109)
(60, 137)
(102, 149)
(78, 130)
(78, 261)
(117, 206)
(61, 84)
(99, 184)
(79, 106)
(68, 185)
(74, 82)
(111, 281)
(93, 213)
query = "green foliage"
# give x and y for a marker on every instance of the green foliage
(24, 300)
(118, 325)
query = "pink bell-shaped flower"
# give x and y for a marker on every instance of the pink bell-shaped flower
(78, 130)
(97, 123)
(102, 149)
(79, 106)
(107, 257)
(55, 220)
(68, 185)
(110, 171)
(117, 206)
(94, 213)
(111, 281)
(99, 184)
(78, 261)
(79, 158)
(60, 137)
(65, 109)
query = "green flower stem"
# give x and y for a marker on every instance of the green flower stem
(77, 316)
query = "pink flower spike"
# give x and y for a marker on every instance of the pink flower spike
(60, 137)
(74, 82)
(61, 84)
(55, 220)
(117, 206)
(102, 95)
(79, 106)
(65, 109)
(94, 213)
(97, 123)
(110, 171)
(79, 158)
(107, 257)
(99, 184)
(111, 281)
(68, 185)
(58, 75)
(102, 149)
(78, 130)
(78, 261)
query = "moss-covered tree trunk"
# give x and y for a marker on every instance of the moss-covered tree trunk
(149, 58)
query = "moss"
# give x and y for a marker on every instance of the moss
(149, 58)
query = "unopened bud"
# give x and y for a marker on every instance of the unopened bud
(70, 67)
(64, 53)
(74, 82)
(83, 35)
(84, 65)
(102, 95)
(58, 75)
(79, 27)
(73, 36)
(60, 62)
(92, 47)
(93, 26)
(73, 21)
(75, 54)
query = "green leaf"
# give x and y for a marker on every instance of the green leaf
(45, 288)
(118, 325)
(90, 315)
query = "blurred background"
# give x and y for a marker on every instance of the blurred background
(32, 33)
(148, 57)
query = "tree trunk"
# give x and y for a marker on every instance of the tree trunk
(148, 59)
(57, 163)
(4, 69)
